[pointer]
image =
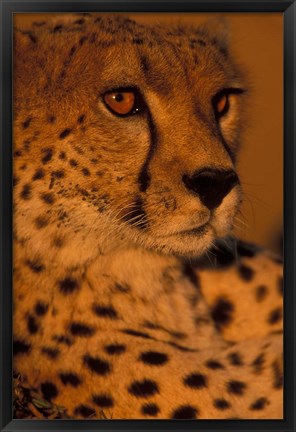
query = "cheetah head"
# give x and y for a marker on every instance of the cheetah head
(125, 134)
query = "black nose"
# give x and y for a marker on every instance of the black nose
(211, 185)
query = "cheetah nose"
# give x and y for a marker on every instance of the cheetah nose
(211, 185)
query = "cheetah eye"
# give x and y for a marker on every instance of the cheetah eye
(123, 102)
(221, 101)
(222, 105)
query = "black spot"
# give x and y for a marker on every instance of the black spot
(153, 358)
(275, 315)
(18, 153)
(57, 28)
(41, 222)
(39, 23)
(27, 142)
(201, 42)
(49, 390)
(47, 155)
(78, 329)
(280, 286)
(261, 292)
(222, 312)
(72, 51)
(40, 308)
(115, 349)
(278, 376)
(31, 37)
(50, 352)
(223, 50)
(175, 334)
(65, 133)
(62, 339)
(73, 162)
(143, 388)
(136, 333)
(185, 412)
(51, 119)
(259, 404)
(258, 363)
(138, 41)
(122, 288)
(82, 40)
(79, 21)
(195, 380)
(63, 215)
(81, 119)
(58, 174)
(70, 378)
(144, 63)
(246, 273)
(35, 266)
(32, 325)
(83, 192)
(235, 359)
(20, 347)
(68, 285)
(84, 411)
(214, 364)
(26, 123)
(62, 155)
(236, 387)
(96, 365)
(47, 197)
(221, 404)
(103, 400)
(105, 311)
(150, 409)
(39, 174)
(136, 215)
(15, 181)
(85, 171)
(26, 192)
(191, 274)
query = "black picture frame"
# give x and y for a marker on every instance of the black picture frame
(288, 8)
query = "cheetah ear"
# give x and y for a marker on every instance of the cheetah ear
(217, 29)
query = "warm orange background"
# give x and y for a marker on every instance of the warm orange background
(257, 40)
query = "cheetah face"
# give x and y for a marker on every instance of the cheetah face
(183, 190)
(137, 149)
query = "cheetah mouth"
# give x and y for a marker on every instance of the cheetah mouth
(198, 231)
(195, 231)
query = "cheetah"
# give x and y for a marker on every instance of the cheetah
(131, 297)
